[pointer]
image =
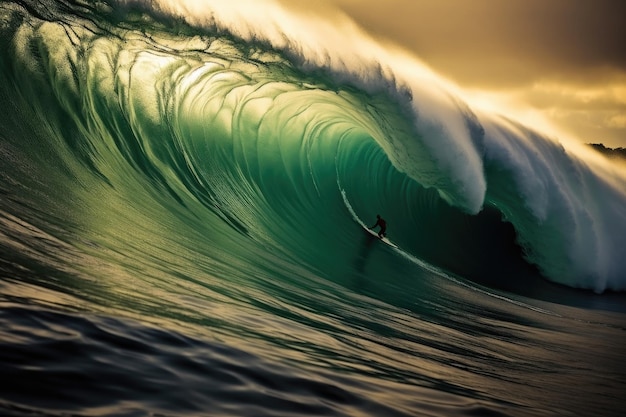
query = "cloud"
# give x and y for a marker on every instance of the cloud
(476, 40)
(617, 121)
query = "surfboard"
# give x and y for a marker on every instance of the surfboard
(384, 240)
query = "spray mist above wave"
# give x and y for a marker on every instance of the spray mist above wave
(566, 208)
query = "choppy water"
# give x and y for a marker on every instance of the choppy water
(180, 232)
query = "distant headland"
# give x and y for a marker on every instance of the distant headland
(610, 152)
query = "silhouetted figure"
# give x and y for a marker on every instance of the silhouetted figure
(383, 226)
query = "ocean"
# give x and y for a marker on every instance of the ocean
(183, 196)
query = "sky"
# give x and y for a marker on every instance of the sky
(563, 60)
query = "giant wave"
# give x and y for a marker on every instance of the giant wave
(255, 131)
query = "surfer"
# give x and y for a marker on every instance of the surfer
(383, 226)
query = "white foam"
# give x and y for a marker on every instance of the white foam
(566, 211)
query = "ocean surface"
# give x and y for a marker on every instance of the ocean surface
(183, 194)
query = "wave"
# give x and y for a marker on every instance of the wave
(244, 130)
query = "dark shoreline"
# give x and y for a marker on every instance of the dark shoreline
(617, 153)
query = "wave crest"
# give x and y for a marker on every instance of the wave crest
(248, 123)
